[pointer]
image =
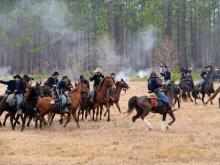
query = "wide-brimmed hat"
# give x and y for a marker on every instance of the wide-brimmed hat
(55, 74)
(97, 70)
(17, 76)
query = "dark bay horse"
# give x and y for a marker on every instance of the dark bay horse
(120, 85)
(31, 97)
(212, 97)
(11, 111)
(143, 107)
(207, 89)
(186, 86)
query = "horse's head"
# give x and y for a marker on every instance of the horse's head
(82, 88)
(122, 84)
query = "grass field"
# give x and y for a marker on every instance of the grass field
(193, 139)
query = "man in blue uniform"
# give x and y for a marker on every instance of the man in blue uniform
(204, 75)
(51, 81)
(19, 91)
(11, 86)
(165, 73)
(154, 85)
(63, 88)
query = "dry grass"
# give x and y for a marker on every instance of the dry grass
(193, 139)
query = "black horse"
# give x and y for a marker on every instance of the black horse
(186, 86)
(144, 106)
(208, 89)
(11, 111)
(31, 97)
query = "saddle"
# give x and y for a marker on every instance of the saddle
(155, 102)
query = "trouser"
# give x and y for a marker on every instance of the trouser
(93, 94)
(163, 98)
(19, 101)
(201, 82)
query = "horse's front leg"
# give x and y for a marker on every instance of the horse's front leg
(51, 119)
(6, 117)
(29, 121)
(118, 107)
(189, 95)
(144, 118)
(23, 121)
(163, 124)
(203, 97)
(76, 120)
(101, 109)
(108, 109)
(12, 116)
(97, 112)
(173, 118)
(68, 119)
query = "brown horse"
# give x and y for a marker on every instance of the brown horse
(120, 85)
(102, 97)
(144, 106)
(46, 105)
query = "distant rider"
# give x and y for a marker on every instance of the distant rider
(165, 73)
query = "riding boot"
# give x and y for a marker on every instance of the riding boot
(65, 109)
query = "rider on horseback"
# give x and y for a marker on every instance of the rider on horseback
(97, 78)
(19, 91)
(154, 84)
(165, 73)
(204, 76)
(84, 81)
(51, 81)
(63, 88)
(111, 90)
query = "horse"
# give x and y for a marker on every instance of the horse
(143, 106)
(120, 85)
(186, 86)
(46, 105)
(11, 111)
(213, 96)
(207, 89)
(31, 97)
(172, 90)
(102, 97)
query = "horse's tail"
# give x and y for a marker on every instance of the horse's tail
(132, 103)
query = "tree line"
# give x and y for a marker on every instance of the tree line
(78, 35)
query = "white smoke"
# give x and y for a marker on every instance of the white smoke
(144, 73)
(125, 75)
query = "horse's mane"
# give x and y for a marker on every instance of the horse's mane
(102, 82)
